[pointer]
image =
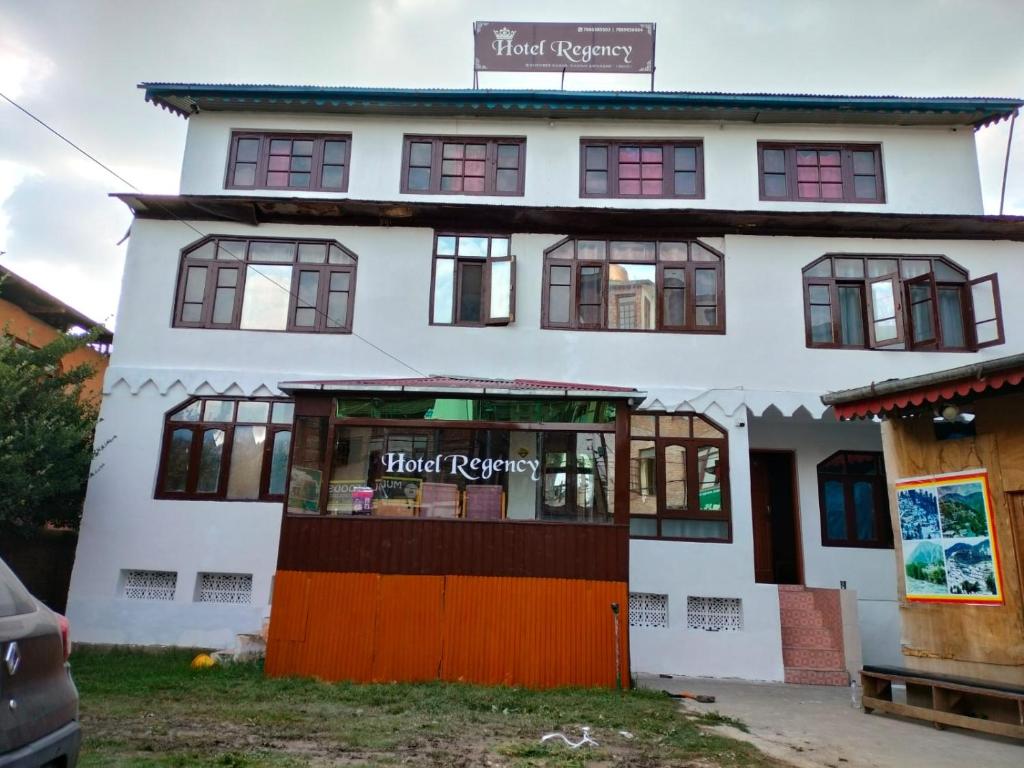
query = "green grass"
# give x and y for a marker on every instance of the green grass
(150, 710)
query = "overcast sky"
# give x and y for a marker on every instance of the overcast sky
(76, 65)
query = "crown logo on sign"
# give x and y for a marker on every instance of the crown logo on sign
(504, 34)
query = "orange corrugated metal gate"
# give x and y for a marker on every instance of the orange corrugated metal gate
(533, 632)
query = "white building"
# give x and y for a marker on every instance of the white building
(733, 257)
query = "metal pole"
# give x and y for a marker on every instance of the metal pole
(1006, 163)
(618, 653)
(563, 78)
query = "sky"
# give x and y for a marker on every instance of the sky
(76, 65)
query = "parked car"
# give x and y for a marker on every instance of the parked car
(38, 699)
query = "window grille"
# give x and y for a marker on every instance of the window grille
(648, 610)
(148, 585)
(224, 588)
(714, 614)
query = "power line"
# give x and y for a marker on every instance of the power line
(191, 226)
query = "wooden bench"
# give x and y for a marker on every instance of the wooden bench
(943, 700)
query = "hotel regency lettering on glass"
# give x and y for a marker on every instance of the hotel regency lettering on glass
(433, 379)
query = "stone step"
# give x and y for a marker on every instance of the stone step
(819, 638)
(800, 618)
(796, 676)
(810, 658)
(802, 601)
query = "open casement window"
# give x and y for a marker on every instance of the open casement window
(634, 286)
(885, 312)
(226, 449)
(268, 284)
(854, 500)
(924, 303)
(986, 312)
(474, 280)
(678, 478)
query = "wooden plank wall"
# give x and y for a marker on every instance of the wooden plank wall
(533, 632)
(981, 641)
(463, 547)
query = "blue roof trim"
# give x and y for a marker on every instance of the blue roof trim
(181, 97)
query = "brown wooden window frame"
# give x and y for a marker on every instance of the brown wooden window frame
(613, 165)
(847, 170)
(880, 496)
(581, 264)
(436, 167)
(218, 256)
(487, 262)
(200, 426)
(318, 161)
(907, 274)
(663, 438)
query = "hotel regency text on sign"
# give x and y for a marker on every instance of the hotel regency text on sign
(510, 46)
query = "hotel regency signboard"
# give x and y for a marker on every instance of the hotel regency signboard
(513, 46)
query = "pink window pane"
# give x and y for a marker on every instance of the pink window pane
(830, 157)
(629, 154)
(279, 163)
(806, 157)
(277, 179)
(476, 151)
(628, 187)
(832, 191)
(453, 151)
(651, 155)
(474, 184)
(832, 173)
(651, 187)
(629, 171)
(475, 167)
(807, 190)
(806, 173)
(651, 172)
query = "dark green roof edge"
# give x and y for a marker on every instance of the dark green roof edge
(171, 95)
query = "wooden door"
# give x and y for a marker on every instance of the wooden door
(760, 497)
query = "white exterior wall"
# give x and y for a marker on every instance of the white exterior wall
(871, 573)
(926, 169)
(762, 359)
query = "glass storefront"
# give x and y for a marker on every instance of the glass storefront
(556, 463)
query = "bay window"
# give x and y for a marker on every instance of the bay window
(634, 286)
(678, 478)
(856, 301)
(226, 449)
(269, 284)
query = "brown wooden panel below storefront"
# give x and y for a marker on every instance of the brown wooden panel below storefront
(533, 632)
(460, 547)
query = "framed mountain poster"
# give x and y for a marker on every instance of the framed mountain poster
(950, 553)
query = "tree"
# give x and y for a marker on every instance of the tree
(46, 434)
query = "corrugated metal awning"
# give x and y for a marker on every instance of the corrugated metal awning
(464, 386)
(894, 395)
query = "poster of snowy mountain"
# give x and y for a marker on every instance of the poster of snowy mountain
(949, 548)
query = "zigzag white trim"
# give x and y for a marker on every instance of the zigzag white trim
(729, 401)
